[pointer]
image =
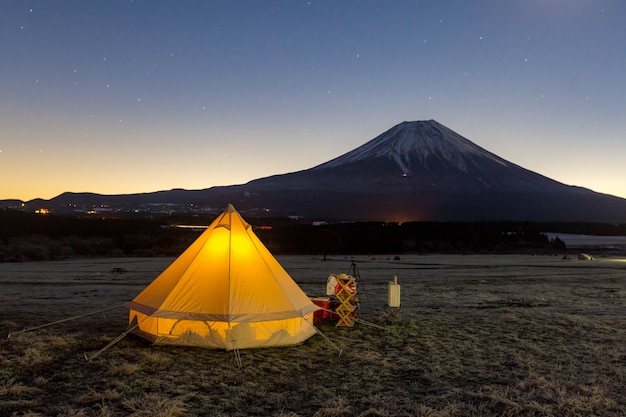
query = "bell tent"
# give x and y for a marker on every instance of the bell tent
(225, 291)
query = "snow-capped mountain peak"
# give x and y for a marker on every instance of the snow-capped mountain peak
(409, 143)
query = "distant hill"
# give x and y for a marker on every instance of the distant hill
(415, 171)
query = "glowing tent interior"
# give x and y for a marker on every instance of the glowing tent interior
(225, 291)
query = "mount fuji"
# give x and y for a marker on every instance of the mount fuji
(415, 171)
(423, 170)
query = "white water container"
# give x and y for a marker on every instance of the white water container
(393, 293)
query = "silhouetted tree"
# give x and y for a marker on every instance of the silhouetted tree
(557, 243)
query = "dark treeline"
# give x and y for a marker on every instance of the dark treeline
(27, 236)
(414, 237)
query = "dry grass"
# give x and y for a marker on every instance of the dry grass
(11, 388)
(154, 405)
(475, 337)
(123, 369)
(94, 397)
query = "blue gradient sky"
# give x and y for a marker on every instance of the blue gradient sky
(135, 96)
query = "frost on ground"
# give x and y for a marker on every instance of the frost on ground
(475, 336)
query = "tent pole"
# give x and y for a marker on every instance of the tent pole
(237, 356)
(235, 347)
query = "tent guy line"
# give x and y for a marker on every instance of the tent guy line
(104, 310)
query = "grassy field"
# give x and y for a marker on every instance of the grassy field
(476, 336)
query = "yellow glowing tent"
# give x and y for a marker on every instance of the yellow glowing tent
(225, 291)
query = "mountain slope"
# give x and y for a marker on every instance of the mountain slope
(424, 171)
(418, 170)
(426, 155)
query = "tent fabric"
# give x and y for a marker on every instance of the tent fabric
(225, 291)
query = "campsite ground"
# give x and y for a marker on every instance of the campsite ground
(476, 335)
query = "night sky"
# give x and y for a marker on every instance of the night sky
(122, 97)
